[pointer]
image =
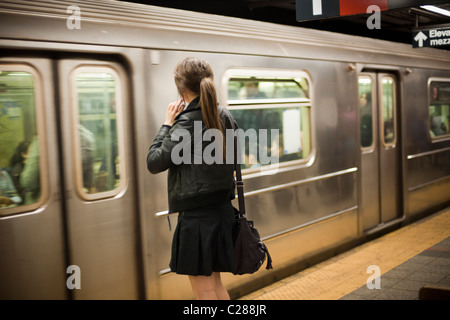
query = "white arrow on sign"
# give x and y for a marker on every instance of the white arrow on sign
(420, 37)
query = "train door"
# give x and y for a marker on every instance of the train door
(98, 173)
(32, 243)
(380, 149)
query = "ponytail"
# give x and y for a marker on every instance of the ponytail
(208, 103)
(210, 110)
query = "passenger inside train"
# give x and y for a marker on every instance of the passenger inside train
(20, 160)
(263, 104)
(439, 109)
(19, 151)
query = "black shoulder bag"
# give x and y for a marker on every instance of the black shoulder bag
(250, 252)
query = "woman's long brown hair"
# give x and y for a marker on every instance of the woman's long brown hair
(197, 76)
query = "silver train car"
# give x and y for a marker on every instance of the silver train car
(363, 143)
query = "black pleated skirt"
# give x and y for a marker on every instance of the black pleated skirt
(203, 241)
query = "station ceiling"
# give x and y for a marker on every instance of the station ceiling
(396, 25)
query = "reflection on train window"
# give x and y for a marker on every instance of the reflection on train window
(365, 110)
(439, 108)
(282, 104)
(388, 109)
(98, 113)
(20, 182)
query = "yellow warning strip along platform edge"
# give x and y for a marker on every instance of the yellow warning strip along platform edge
(340, 275)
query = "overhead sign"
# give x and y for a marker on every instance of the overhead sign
(321, 9)
(437, 37)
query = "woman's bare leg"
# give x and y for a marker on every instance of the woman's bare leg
(221, 292)
(203, 287)
(209, 287)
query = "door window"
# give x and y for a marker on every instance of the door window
(388, 107)
(365, 93)
(99, 153)
(20, 156)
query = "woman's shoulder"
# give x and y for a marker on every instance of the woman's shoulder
(190, 114)
(226, 116)
(186, 119)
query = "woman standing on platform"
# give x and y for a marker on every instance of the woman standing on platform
(202, 244)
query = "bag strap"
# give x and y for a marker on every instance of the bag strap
(239, 182)
(237, 166)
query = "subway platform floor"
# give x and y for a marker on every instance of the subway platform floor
(392, 267)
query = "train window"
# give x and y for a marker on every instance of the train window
(439, 108)
(20, 175)
(365, 88)
(388, 123)
(259, 103)
(98, 108)
(257, 90)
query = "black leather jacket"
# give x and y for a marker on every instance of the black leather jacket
(191, 185)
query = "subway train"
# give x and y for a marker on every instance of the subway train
(363, 142)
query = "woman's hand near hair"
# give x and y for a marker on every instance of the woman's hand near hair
(172, 111)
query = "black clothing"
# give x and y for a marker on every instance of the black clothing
(200, 192)
(191, 185)
(203, 242)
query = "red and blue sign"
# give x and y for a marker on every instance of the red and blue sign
(321, 9)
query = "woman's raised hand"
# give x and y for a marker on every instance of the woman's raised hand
(173, 110)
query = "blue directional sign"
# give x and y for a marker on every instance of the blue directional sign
(437, 37)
